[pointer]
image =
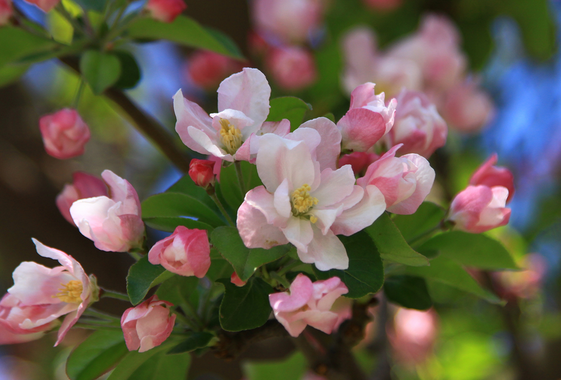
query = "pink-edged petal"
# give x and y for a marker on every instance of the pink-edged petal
(361, 215)
(264, 201)
(122, 191)
(190, 114)
(322, 320)
(362, 95)
(204, 145)
(280, 128)
(291, 322)
(301, 291)
(361, 129)
(335, 186)
(299, 232)
(237, 118)
(35, 284)
(64, 259)
(325, 251)
(281, 200)
(326, 217)
(329, 150)
(247, 91)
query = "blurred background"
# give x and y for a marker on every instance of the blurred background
(510, 91)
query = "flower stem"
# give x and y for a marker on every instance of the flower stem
(222, 209)
(135, 254)
(115, 295)
(99, 314)
(280, 279)
(285, 269)
(191, 313)
(422, 235)
(239, 174)
(78, 95)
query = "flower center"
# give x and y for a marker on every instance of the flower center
(70, 293)
(230, 136)
(302, 202)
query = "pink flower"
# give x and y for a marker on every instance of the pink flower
(45, 5)
(113, 224)
(466, 107)
(359, 161)
(417, 126)
(310, 304)
(165, 10)
(383, 5)
(243, 105)
(207, 69)
(414, 335)
(236, 280)
(304, 200)
(480, 208)
(40, 295)
(185, 252)
(404, 181)
(147, 325)
(202, 172)
(64, 133)
(6, 11)
(293, 67)
(489, 175)
(83, 186)
(525, 283)
(290, 21)
(367, 120)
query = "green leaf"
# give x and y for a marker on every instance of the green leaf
(474, 250)
(229, 187)
(100, 352)
(219, 267)
(184, 31)
(134, 360)
(186, 185)
(408, 291)
(170, 224)
(177, 289)
(11, 73)
(365, 274)
(391, 244)
(247, 307)
(293, 367)
(162, 366)
(194, 341)
(100, 70)
(143, 276)
(288, 107)
(17, 43)
(94, 5)
(166, 205)
(449, 272)
(427, 217)
(130, 72)
(244, 260)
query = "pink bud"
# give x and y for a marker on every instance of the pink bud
(234, 279)
(45, 5)
(202, 172)
(489, 175)
(165, 10)
(83, 186)
(64, 133)
(413, 336)
(359, 161)
(480, 208)
(185, 252)
(404, 181)
(147, 325)
(292, 67)
(311, 304)
(207, 69)
(467, 108)
(6, 11)
(417, 126)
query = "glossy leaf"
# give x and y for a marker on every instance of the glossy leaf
(229, 187)
(244, 260)
(247, 307)
(94, 5)
(474, 250)
(17, 43)
(186, 185)
(134, 360)
(162, 366)
(170, 224)
(391, 244)
(143, 276)
(194, 341)
(177, 289)
(288, 107)
(101, 70)
(184, 31)
(427, 216)
(99, 353)
(365, 274)
(293, 367)
(408, 291)
(130, 72)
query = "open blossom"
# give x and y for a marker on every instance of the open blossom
(404, 181)
(40, 295)
(113, 224)
(467, 107)
(311, 304)
(243, 106)
(165, 10)
(367, 120)
(83, 186)
(207, 69)
(290, 21)
(304, 200)
(413, 335)
(45, 5)
(490, 175)
(147, 325)
(64, 133)
(417, 126)
(185, 252)
(292, 67)
(6, 11)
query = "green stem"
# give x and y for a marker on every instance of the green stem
(99, 314)
(285, 269)
(280, 279)
(184, 320)
(78, 95)
(239, 174)
(116, 295)
(222, 209)
(135, 254)
(414, 240)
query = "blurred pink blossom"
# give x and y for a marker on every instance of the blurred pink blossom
(45, 5)
(6, 11)
(413, 335)
(207, 69)
(467, 107)
(64, 133)
(165, 10)
(84, 185)
(292, 67)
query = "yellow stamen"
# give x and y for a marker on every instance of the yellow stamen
(70, 293)
(302, 202)
(230, 136)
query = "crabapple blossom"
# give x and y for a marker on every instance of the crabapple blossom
(202, 172)
(113, 224)
(490, 175)
(243, 105)
(45, 5)
(84, 185)
(207, 69)
(467, 107)
(404, 181)
(165, 10)
(304, 201)
(359, 161)
(236, 280)
(185, 252)
(413, 335)
(40, 295)
(367, 120)
(311, 304)
(292, 67)
(64, 133)
(147, 325)
(6, 11)
(417, 126)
